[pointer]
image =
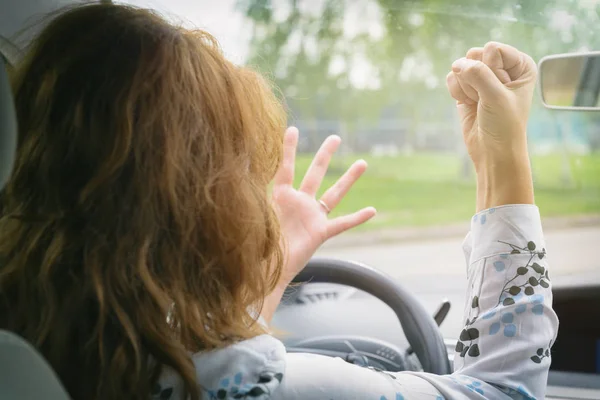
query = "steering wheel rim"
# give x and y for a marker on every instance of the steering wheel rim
(420, 328)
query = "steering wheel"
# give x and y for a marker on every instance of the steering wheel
(420, 328)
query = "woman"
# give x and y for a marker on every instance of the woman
(139, 242)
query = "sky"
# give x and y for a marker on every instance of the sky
(218, 17)
(233, 30)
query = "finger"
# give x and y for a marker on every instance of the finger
(468, 90)
(457, 92)
(480, 77)
(508, 63)
(318, 168)
(475, 53)
(285, 174)
(345, 222)
(492, 57)
(336, 193)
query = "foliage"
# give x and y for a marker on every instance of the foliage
(314, 49)
(423, 189)
(361, 62)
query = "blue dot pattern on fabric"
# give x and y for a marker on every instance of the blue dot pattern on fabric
(519, 394)
(521, 308)
(475, 386)
(516, 297)
(492, 210)
(398, 397)
(238, 378)
(499, 265)
(494, 328)
(483, 219)
(508, 318)
(510, 330)
(521, 390)
(475, 218)
(538, 309)
(246, 387)
(537, 299)
(489, 315)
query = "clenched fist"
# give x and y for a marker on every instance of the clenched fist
(493, 87)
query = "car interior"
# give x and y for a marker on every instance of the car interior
(344, 308)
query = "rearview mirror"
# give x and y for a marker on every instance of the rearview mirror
(571, 81)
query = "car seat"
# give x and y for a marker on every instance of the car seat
(24, 373)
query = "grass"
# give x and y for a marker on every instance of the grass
(427, 189)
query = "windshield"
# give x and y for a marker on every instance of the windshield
(373, 72)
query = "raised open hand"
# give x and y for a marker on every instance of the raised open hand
(304, 219)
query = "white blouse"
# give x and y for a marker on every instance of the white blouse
(503, 351)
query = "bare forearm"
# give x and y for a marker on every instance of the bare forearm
(271, 303)
(508, 181)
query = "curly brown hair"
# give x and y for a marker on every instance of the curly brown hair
(137, 226)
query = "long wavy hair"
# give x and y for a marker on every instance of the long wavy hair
(137, 226)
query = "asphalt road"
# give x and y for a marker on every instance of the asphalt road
(434, 270)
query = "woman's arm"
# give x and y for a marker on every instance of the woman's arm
(270, 305)
(305, 224)
(510, 302)
(503, 350)
(509, 322)
(509, 326)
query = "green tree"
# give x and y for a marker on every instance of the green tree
(300, 47)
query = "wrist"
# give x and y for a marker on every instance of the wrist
(504, 181)
(271, 302)
(295, 259)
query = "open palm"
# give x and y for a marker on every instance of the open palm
(304, 219)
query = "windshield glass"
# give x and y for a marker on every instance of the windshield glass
(373, 72)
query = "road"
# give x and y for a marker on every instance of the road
(434, 270)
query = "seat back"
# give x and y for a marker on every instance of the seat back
(24, 374)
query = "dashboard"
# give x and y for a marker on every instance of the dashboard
(577, 348)
(575, 369)
(335, 320)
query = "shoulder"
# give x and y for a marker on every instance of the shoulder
(251, 368)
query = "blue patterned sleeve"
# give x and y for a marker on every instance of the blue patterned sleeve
(503, 351)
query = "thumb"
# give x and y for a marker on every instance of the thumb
(480, 77)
